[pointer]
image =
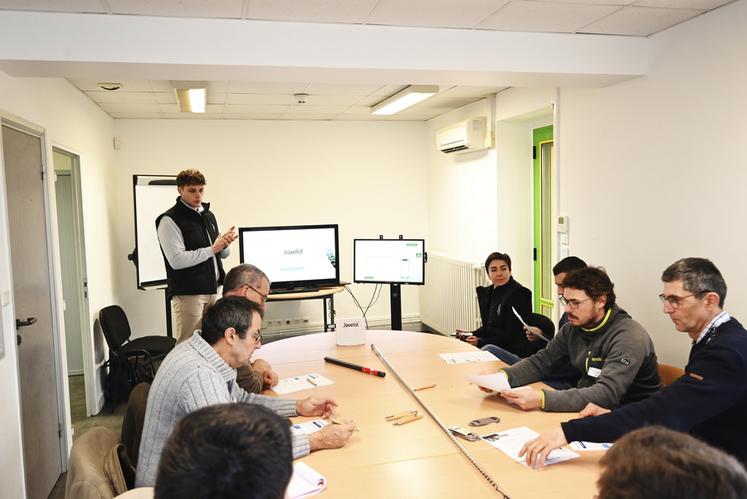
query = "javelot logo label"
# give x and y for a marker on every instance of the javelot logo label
(351, 324)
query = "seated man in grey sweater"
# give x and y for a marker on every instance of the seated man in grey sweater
(613, 354)
(202, 371)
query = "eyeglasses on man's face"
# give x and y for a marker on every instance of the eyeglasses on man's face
(257, 334)
(675, 301)
(263, 296)
(571, 304)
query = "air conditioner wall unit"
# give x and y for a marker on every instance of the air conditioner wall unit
(465, 136)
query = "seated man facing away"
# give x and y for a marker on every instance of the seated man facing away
(657, 463)
(709, 401)
(613, 353)
(250, 282)
(501, 330)
(227, 451)
(201, 372)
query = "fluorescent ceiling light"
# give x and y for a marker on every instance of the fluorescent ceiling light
(403, 99)
(191, 96)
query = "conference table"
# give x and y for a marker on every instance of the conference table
(418, 459)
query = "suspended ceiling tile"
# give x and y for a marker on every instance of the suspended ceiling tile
(125, 85)
(358, 110)
(328, 100)
(120, 97)
(327, 89)
(435, 13)
(281, 99)
(387, 90)
(683, 4)
(136, 116)
(369, 101)
(321, 117)
(595, 2)
(639, 21)
(336, 11)
(166, 97)
(181, 8)
(548, 17)
(168, 108)
(87, 6)
(257, 109)
(130, 108)
(316, 110)
(267, 88)
(250, 116)
(161, 86)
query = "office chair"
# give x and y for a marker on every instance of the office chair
(544, 323)
(136, 356)
(134, 419)
(94, 470)
(668, 373)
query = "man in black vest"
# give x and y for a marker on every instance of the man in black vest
(192, 250)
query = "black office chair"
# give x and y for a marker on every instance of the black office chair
(136, 356)
(544, 323)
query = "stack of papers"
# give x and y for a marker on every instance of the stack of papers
(464, 357)
(305, 481)
(302, 382)
(511, 441)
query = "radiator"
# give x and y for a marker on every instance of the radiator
(448, 300)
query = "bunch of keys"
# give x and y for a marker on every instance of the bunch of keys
(403, 417)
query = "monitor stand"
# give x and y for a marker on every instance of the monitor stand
(395, 306)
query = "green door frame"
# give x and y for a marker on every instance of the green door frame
(542, 304)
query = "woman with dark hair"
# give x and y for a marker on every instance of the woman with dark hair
(502, 333)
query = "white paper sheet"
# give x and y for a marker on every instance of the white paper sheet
(496, 382)
(464, 357)
(512, 440)
(302, 382)
(305, 482)
(585, 446)
(540, 336)
(309, 427)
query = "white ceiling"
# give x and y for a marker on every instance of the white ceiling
(274, 100)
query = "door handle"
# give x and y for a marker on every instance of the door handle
(29, 321)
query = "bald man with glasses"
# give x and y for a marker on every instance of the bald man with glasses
(709, 401)
(613, 354)
(250, 282)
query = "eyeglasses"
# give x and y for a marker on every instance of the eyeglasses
(260, 293)
(674, 300)
(572, 304)
(257, 335)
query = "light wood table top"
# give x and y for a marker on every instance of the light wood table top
(418, 459)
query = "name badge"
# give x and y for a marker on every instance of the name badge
(594, 372)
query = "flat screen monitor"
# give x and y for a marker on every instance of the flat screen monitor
(389, 261)
(300, 256)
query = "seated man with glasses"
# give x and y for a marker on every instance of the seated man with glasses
(201, 372)
(250, 282)
(613, 354)
(709, 401)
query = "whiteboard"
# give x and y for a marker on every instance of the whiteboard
(153, 195)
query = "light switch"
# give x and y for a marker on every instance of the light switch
(5, 297)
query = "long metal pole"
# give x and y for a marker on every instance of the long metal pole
(459, 445)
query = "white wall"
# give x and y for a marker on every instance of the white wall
(654, 169)
(462, 202)
(369, 177)
(74, 123)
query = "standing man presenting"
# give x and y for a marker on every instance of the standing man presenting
(192, 248)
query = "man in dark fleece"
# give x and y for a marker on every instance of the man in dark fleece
(709, 401)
